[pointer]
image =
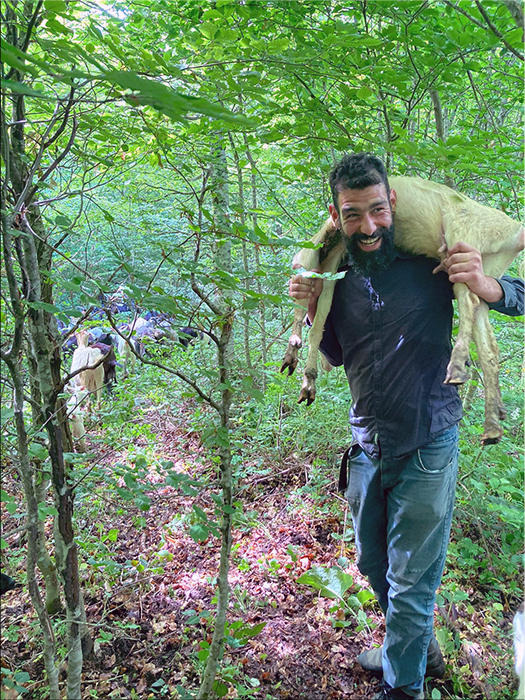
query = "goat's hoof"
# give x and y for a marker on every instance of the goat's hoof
(493, 432)
(307, 395)
(289, 363)
(456, 374)
(491, 437)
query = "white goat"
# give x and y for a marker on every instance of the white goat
(426, 214)
(76, 416)
(90, 379)
(126, 353)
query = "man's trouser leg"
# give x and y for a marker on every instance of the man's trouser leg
(402, 511)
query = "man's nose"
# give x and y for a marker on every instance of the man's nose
(368, 227)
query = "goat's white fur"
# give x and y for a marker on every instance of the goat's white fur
(126, 353)
(90, 379)
(426, 213)
(76, 416)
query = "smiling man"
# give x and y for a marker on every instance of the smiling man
(390, 326)
(365, 217)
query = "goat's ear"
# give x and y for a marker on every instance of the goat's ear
(334, 216)
(393, 199)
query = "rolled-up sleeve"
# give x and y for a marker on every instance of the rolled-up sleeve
(512, 302)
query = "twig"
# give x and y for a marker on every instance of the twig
(497, 32)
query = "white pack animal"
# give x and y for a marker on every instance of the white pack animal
(125, 347)
(76, 416)
(427, 214)
(90, 379)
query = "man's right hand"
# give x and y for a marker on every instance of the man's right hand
(303, 288)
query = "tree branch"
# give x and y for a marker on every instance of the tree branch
(496, 31)
(483, 26)
(55, 164)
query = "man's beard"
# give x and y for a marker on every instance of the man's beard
(376, 260)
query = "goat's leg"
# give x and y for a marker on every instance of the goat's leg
(488, 353)
(292, 351)
(457, 367)
(314, 340)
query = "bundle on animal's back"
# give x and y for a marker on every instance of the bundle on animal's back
(428, 218)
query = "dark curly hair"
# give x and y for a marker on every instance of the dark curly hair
(355, 171)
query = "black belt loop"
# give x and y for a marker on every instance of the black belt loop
(343, 471)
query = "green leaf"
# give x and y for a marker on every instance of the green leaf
(208, 29)
(320, 275)
(247, 632)
(332, 583)
(199, 532)
(22, 89)
(55, 26)
(6, 414)
(51, 308)
(220, 689)
(11, 56)
(168, 101)
(22, 677)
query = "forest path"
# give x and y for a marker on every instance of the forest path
(149, 587)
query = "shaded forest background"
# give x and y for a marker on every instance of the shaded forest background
(178, 154)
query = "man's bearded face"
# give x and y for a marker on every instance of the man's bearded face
(365, 262)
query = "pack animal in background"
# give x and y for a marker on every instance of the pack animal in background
(125, 351)
(189, 336)
(90, 379)
(109, 364)
(427, 214)
(75, 411)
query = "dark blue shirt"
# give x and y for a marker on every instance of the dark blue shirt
(392, 333)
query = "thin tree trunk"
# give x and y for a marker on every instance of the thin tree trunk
(41, 485)
(66, 549)
(220, 195)
(262, 310)
(217, 642)
(248, 277)
(440, 126)
(14, 363)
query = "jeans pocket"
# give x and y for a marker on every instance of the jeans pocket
(351, 452)
(440, 454)
(358, 479)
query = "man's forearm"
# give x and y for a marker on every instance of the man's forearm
(490, 290)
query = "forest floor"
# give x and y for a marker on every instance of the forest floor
(149, 629)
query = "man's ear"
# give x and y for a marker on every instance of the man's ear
(393, 199)
(334, 216)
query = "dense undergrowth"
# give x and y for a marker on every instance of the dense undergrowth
(289, 454)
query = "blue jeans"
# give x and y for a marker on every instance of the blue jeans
(402, 512)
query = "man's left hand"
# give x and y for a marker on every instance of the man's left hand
(464, 264)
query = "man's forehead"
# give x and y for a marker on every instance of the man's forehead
(358, 199)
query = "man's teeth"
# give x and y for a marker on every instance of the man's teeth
(369, 241)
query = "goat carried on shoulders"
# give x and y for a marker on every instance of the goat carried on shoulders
(429, 218)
